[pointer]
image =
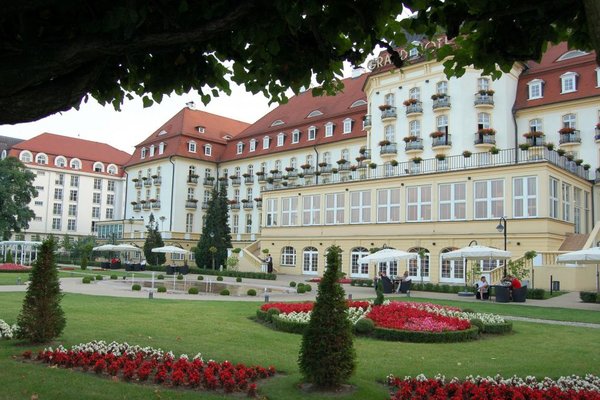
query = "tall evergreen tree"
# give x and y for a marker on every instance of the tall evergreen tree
(153, 240)
(16, 192)
(327, 357)
(41, 318)
(215, 232)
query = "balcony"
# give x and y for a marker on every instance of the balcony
(325, 169)
(146, 205)
(308, 171)
(192, 179)
(262, 178)
(362, 165)
(147, 182)
(205, 205)
(247, 205)
(277, 176)
(414, 145)
(157, 180)
(138, 184)
(344, 167)
(536, 141)
(249, 180)
(388, 114)
(414, 108)
(137, 207)
(441, 103)
(191, 204)
(484, 100)
(441, 142)
(389, 149)
(208, 181)
(483, 140)
(570, 138)
(259, 204)
(292, 174)
(366, 153)
(237, 181)
(367, 121)
(235, 206)
(155, 205)
(223, 181)
(597, 136)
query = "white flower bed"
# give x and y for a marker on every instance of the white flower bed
(118, 349)
(7, 331)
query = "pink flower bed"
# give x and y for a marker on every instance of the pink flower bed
(565, 388)
(137, 364)
(415, 317)
(14, 268)
(287, 308)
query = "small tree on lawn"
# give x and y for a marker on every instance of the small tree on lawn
(327, 357)
(153, 240)
(41, 318)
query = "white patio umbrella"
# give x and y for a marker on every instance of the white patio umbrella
(127, 247)
(107, 247)
(170, 249)
(584, 256)
(387, 255)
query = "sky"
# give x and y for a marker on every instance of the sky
(124, 129)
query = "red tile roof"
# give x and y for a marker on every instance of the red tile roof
(182, 128)
(294, 115)
(549, 69)
(87, 151)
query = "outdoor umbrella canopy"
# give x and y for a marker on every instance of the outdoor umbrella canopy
(107, 247)
(387, 255)
(584, 256)
(477, 253)
(127, 247)
(169, 249)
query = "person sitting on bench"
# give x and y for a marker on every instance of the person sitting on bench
(482, 289)
(404, 284)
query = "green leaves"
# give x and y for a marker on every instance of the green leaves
(16, 192)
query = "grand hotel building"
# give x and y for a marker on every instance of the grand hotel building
(405, 158)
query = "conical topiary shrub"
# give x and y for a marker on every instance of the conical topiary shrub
(327, 357)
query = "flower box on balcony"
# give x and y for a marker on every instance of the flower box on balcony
(467, 154)
(409, 102)
(524, 146)
(409, 139)
(485, 92)
(416, 160)
(323, 164)
(384, 142)
(305, 166)
(394, 163)
(384, 107)
(437, 96)
(436, 134)
(246, 175)
(232, 177)
(533, 134)
(274, 171)
(341, 161)
(290, 169)
(362, 150)
(486, 131)
(566, 130)
(260, 173)
(258, 199)
(361, 158)
(440, 157)
(135, 180)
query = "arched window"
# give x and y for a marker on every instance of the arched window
(75, 163)
(309, 159)
(113, 169)
(3, 156)
(288, 256)
(25, 156)
(389, 99)
(535, 125)
(345, 154)
(483, 121)
(60, 161)
(41, 158)
(569, 121)
(98, 167)
(419, 267)
(390, 133)
(189, 222)
(327, 157)
(442, 123)
(414, 127)
(451, 270)
(314, 113)
(278, 165)
(358, 103)
(415, 93)
(310, 261)
(251, 169)
(294, 162)
(356, 269)
(442, 87)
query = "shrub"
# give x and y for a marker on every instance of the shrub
(498, 328)
(307, 287)
(251, 292)
(238, 279)
(292, 284)
(114, 277)
(271, 312)
(587, 297)
(136, 287)
(86, 279)
(160, 277)
(536, 294)
(99, 277)
(426, 337)
(84, 263)
(179, 277)
(379, 290)
(124, 277)
(224, 292)
(162, 289)
(478, 323)
(364, 326)
(219, 278)
(300, 289)
(200, 278)
(252, 275)
(193, 290)
(286, 325)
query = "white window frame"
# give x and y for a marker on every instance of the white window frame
(335, 214)
(266, 142)
(385, 204)
(240, 148)
(442, 87)
(289, 211)
(489, 201)
(311, 210)
(360, 207)
(191, 147)
(524, 199)
(295, 136)
(535, 89)
(252, 145)
(457, 206)
(25, 156)
(208, 150)
(566, 201)
(348, 122)
(312, 133)
(152, 151)
(288, 256)
(310, 261)
(143, 153)
(421, 206)
(553, 210)
(280, 139)
(568, 82)
(329, 129)
(75, 163)
(536, 125)
(271, 212)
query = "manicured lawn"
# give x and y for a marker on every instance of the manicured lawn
(224, 331)
(10, 278)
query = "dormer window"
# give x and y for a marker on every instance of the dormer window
(571, 54)
(41, 159)
(192, 147)
(314, 113)
(277, 122)
(312, 133)
(358, 103)
(413, 53)
(348, 125)
(266, 142)
(200, 129)
(60, 161)
(329, 129)
(143, 153)
(98, 167)
(75, 163)
(295, 136)
(240, 147)
(112, 169)
(162, 132)
(536, 87)
(280, 139)
(252, 145)
(25, 156)
(568, 82)
(152, 151)
(161, 148)
(208, 150)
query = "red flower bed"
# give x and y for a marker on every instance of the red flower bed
(342, 281)
(413, 388)
(14, 268)
(405, 316)
(287, 308)
(165, 370)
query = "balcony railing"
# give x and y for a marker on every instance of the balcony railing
(389, 113)
(484, 99)
(235, 206)
(506, 157)
(146, 206)
(192, 179)
(536, 141)
(157, 181)
(484, 139)
(308, 171)
(292, 174)
(366, 153)
(327, 169)
(441, 141)
(259, 204)
(414, 108)
(155, 205)
(441, 102)
(249, 180)
(367, 121)
(191, 204)
(205, 205)
(138, 184)
(262, 178)
(391, 148)
(236, 181)
(137, 207)
(148, 182)
(248, 205)
(344, 167)
(208, 181)
(277, 176)
(573, 137)
(414, 145)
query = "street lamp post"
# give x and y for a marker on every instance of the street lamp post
(212, 235)
(502, 228)
(162, 222)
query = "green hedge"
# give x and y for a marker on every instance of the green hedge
(588, 297)
(425, 337)
(252, 275)
(536, 294)
(288, 326)
(506, 327)
(262, 315)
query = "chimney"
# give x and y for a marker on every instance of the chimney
(191, 105)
